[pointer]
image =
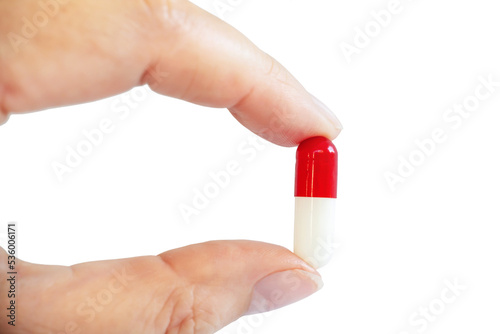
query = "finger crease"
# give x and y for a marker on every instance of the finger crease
(243, 99)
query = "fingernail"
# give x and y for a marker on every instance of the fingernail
(328, 114)
(283, 288)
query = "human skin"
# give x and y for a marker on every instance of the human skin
(91, 49)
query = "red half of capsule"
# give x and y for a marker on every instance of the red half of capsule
(316, 168)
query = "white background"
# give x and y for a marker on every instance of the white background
(395, 248)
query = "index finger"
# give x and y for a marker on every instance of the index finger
(96, 48)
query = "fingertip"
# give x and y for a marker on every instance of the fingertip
(281, 111)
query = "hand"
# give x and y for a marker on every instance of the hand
(92, 49)
(195, 289)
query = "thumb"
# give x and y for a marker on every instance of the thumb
(234, 278)
(195, 289)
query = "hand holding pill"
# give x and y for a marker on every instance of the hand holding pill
(98, 48)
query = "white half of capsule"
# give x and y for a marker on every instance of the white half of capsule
(314, 224)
